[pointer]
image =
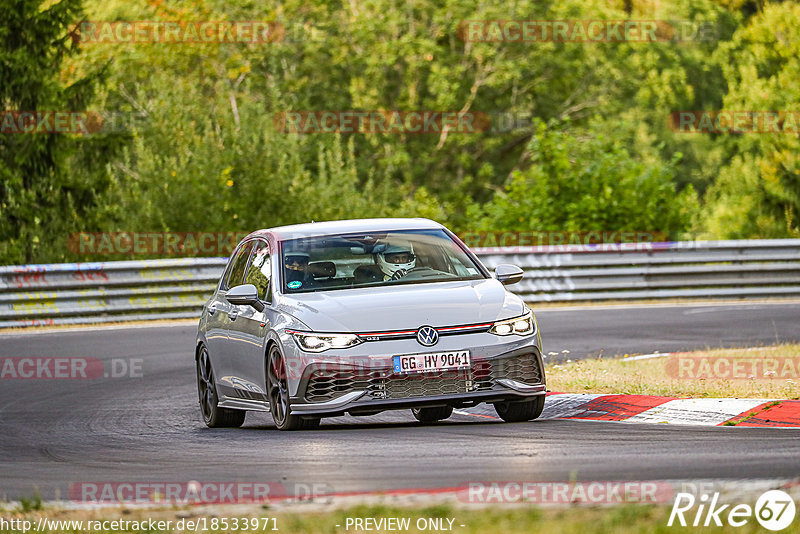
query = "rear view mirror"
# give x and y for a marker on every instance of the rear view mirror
(508, 274)
(245, 295)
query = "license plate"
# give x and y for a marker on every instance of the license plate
(433, 361)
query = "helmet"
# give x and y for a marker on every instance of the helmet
(396, 260)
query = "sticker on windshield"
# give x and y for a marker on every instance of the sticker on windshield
(294, 284)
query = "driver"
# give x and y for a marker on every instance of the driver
(395, 261)
(296, 266)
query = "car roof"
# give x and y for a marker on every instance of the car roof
(314, 229)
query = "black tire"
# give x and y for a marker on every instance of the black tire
(432, 415)
(278, 391)
(518, 411)
(213, 415)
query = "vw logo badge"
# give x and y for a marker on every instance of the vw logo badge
(427, 335)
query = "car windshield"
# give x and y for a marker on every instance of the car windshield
(333, 262)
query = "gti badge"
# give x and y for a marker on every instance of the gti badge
(427, 335)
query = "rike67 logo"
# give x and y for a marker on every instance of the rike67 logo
(774, 510)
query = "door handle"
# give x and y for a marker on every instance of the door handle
(212, 309)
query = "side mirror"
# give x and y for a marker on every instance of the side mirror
(245, 295)
(508, 274)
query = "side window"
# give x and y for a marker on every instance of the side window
(260, 270)
(236, 276)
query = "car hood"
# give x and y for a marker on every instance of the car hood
(406, 306)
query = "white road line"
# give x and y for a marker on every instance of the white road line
(696, 411)
(567, 404)
(647, 356)
(483, 416)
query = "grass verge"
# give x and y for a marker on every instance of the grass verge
(764, 372)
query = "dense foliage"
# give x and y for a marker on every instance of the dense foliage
(580, 138)
(47, 182)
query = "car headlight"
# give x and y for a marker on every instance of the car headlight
(317, 342)
(520, 326)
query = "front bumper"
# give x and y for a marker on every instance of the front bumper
(345, 389)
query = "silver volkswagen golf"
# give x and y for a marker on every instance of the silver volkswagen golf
(322, 319)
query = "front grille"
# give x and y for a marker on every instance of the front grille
(523, 368)
(324, 386)
(328, 385)
(423, 385)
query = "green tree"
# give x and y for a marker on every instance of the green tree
(48, 181)
(592, 183)
(757, 193)
(205, 155)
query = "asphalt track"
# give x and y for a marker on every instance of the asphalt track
(55, 433)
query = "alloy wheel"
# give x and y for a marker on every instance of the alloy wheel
(278, 387)
(205, 385)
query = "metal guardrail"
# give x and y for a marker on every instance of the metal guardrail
(78, 293)
(687, 269)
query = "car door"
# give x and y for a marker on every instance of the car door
(248, 329)
(217, 323)
(221, 313)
